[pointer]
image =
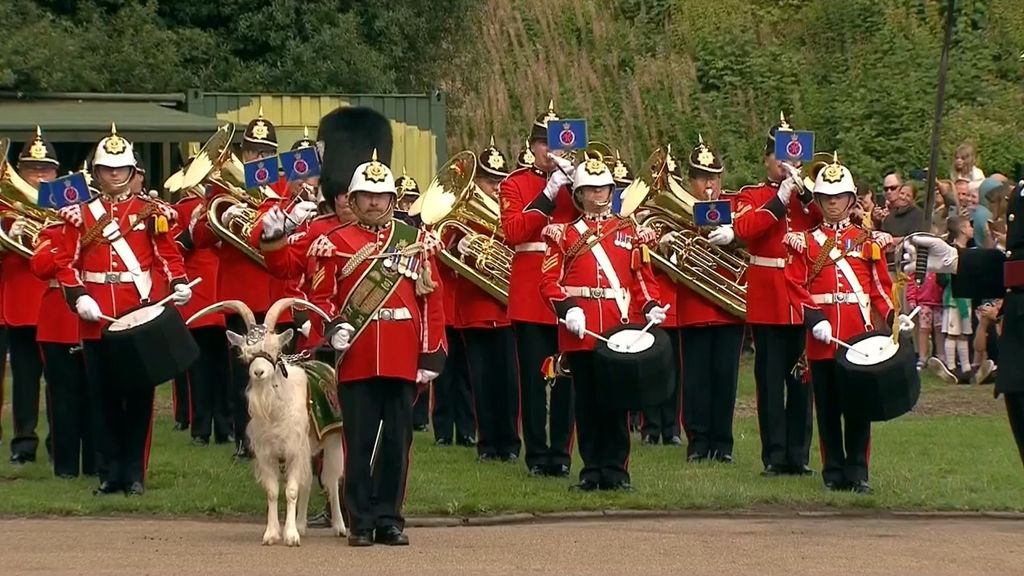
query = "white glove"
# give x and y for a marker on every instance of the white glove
(88, 309)
(198, 213)
(304, 329)
(464, 244)
(231, 213)
(341, 340)
(906, 323)
(300, 212)
(576, 322)
(182, 294)
(555, 183)
(722, 236)
(942, 257)
(17, 229)
(657, 314)
(822, 332)
(273, 223)
(564, 163)
(425, 376)
(786, 189)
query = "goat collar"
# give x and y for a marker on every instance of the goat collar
(278, 362)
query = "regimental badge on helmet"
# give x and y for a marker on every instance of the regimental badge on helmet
(407, 187)
(539, 130)
(38, 151)
(493, 162)
(304, 142)
(621, 172)
(113, 151)
(703, 158)
(593, 172)
(674, 170)
(260, 134)
(834, 179)
(373, 177)
(525, 159)
(769, 145)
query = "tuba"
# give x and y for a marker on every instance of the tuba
(714, 272)
(215, 164)
(453, 202)
(19, 199)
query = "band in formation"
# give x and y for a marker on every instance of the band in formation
(525, 304)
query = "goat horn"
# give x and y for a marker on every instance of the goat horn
(236, 305)
(277, 307)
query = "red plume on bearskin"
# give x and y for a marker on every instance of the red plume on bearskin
(349, 136)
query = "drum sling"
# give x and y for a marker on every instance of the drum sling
(606, 268)
(143, 282)
(839, 259)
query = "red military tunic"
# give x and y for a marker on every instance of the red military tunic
(88, 264)
(470, 306)
(22, 291)
(199, 263)
(670, 293)
(412, 339)
(59, 325)
(801, 220)
(525, 211)
(568, 275)
(853, 278)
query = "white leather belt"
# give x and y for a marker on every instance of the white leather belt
(768, 262)
(109, 277)
(596, 293)
(838, 298)
(386, 314)
(54, 284)
(532, 247)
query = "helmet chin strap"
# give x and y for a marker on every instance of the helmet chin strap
(819, 198)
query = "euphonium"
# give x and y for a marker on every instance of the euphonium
(453, 202)
(215, 164)
(18, 199)
(714, 272)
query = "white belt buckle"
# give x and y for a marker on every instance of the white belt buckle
(597, 292)
(386, 314)
(112, 278)
(841, 297)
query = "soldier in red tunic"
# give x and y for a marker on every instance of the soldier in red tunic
(22, 293)
(377, 279)
(530, 200)
(841, 274)
(104, 263)
(595, 278)
(711, 338)
(783, 400)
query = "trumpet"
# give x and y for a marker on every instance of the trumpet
(20, 199)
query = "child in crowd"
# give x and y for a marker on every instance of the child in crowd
(929, 319)
(965, 164)
(956, 313)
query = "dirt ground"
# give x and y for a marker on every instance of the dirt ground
(691, 546)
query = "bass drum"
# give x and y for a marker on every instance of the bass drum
(148, 346)
(632, 369)
(878, 377)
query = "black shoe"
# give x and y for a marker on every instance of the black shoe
(650, 439)
(136, 489)
(723, 457)
(67, 476)
(391, 536)
(673, 441)
(487, 457)
(420, 428)
(19, 458)
(242, 452)
(621, 485)
(466, 441)
(861, 487)
(200, 441)
(321, 520)
(837, 486)
(558, 470)
(535, 471)
(179, 426)
(443, 442)
(697, 457)
(364, 538)
(585, 486)
(229, 439)
(771, 470)
(510, 457)
(801, 470)
(107, 487)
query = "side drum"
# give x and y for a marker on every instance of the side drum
(148, 346)
(632, 368)
(878, 377)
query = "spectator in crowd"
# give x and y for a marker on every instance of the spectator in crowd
(978, 214)
(905, 216)
(930, 341)
(965, 164)
(865, 207)
(891, 185)
(988, 320)
(943, 207)
(956, 313)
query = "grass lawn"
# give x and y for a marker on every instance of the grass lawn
(955, 452)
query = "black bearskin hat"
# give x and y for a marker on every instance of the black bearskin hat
(347, 137)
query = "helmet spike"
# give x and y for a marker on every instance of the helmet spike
(374, 157)
(700, 139)
(39, 132)
(260, 113)
(305, 132)
(113, 129)
(492, 140)
(551, 106)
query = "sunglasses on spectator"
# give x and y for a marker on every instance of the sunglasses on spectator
(888, 188)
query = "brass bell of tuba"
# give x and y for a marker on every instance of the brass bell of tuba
(661, 203)
(215, 164)
(454, 204)
(19, 199)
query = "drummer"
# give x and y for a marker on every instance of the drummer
(592, 269)
(839, 274)
(104, 260)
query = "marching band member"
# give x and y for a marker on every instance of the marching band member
(74, 451)
(531, 200)
(376, 279)
(109, 246)
(592, 270)
(486, 333)
(208, 377)
(711, 338)
(783, 401)
(841, 274)
(22, 294)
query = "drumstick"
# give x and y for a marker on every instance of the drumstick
(171, 295)
(593, 334)
(107, 318)
(644, 331)
(847, 346)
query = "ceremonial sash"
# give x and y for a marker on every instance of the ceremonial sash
(143, 282)
(847, 271)
(378, 282)
(621, 296)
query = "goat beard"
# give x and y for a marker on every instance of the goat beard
(260, 395)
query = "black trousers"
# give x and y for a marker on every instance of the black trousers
(239, 372)
(711, 369)
(663, 420)
(122, 417)
(1015, 413)
(206, 385)
(453, 405)
(71, 429)
(603, 432)
(182, 404)
(844, 434)
(421, 409)
(490, 353)
(534, 343)
(373, 499)
(26, 373)
(783, 401)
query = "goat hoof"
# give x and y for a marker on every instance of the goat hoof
(271, 537)
(302, 529)
(292, 538)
